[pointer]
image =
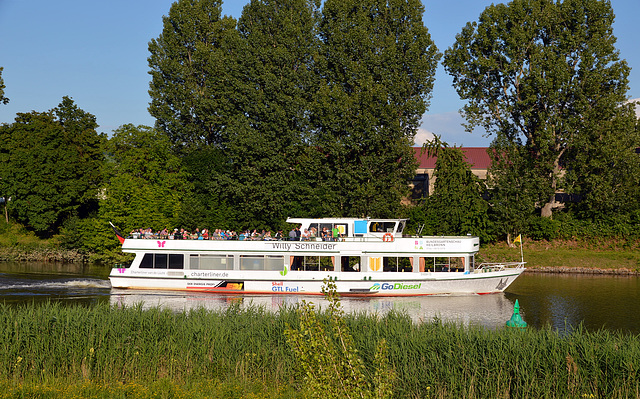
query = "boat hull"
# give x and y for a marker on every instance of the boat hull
(310, 283)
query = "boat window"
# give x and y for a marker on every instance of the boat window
(274, 263)
(401, 226)
(147, 262)
(350, 263)
(312, 263)
(382, 227)
(211, 262)
(251, 262)
(442, 264)
(176, 261)
(397, 264)
(259, 262)
(194, 262)
(160, 261)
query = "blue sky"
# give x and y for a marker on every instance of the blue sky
(96, 52)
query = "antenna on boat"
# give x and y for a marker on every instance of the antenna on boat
(420, 228)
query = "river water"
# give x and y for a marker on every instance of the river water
(561, 301)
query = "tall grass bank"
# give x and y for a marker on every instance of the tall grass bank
(158, 353)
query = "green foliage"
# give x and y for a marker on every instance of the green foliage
(540, 228)
(619, 227)
(3, 99)
(191, 64)
(204, 204)
(145, 187)
(542, 74)
(605, 175)
(328, 358)
(456, 205)
(514, 188)
(265, 145)
(377, 64)
(50, 166)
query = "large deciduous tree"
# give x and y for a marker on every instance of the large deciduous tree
(304, 118)
(277, 85)
(543, 74)
(192, 95)
(51, 166)
(377, 66)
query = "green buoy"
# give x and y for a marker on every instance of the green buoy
(516, 319)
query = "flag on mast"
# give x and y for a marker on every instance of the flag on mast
(120, 237)
(519, 239)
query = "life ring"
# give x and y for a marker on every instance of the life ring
(387, 237)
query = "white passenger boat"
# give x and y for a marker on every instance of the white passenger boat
(370, 257)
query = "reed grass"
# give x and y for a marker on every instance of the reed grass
(45, 348)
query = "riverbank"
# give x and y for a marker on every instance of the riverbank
(575, 256)
(19, 245)
(40, 254)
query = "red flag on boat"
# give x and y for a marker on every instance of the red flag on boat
(120, 237)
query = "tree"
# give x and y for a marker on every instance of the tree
(205, 203)
(605, 175)
(146, 180)
(266, 143)
(512, 185)
(377, 67)
(541, 74)
(456, 205)
(192, 94)
(145, 187)
(51, 165)
(3, 99)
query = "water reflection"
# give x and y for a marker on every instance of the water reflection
(560, 301)
(565, 301)
(485, 310)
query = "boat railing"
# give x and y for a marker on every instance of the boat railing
(498, 266)
(235, 238)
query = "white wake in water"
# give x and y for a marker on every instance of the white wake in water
(60, 285)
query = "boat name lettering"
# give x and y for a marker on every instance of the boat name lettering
(303, 246)
(209, 274)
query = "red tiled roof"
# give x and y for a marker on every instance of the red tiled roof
(477, 157)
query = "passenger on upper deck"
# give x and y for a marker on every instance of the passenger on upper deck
(305, 235)
(326, 235)
(335, 234)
